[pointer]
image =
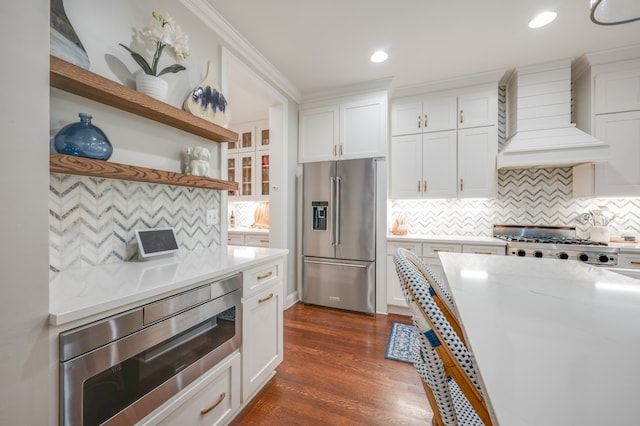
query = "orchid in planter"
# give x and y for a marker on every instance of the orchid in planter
(163, 32)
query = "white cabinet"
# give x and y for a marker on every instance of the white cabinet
(347, 129)
(464, 108)
(445, 164)
(477, 172)
(618, 90)
(235, 238)
(611, 111)
(424, 165)
(262, 326)
(445, 145)
(212, 400)
(248, 161)
(395, 295)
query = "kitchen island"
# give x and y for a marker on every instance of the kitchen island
(555, 342)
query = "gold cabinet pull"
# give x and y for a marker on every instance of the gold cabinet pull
(634, 262)
(341, 150)
(461, 184)
(214, 405)
(265, 298)
(267, 275)
(335, 150)
(425, 186)
(461, 116)
(264, 241)
(482, 252)
(419, 121)
(426, 121)
(441, 250)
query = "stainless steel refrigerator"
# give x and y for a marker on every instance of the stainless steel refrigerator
(339, 234)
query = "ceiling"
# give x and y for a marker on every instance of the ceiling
(325, 45)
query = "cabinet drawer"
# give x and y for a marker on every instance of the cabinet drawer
(257, 278)
(256, 240)
(479, 249)
(214, 402)
(235, 239)
(432, 249)
(414, 247)
(629, 260)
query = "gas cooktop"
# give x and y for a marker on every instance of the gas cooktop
(558, 242)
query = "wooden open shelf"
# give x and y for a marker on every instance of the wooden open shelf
(73, 165)
(76, 80)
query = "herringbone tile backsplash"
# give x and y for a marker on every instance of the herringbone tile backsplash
(92, 220)
(527, 196)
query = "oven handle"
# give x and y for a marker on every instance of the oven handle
(75, 371)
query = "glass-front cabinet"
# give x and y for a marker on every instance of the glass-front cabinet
(248, 161)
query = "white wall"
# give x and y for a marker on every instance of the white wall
(24, 173)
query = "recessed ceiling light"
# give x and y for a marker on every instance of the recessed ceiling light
(379, 56)
(542, 19)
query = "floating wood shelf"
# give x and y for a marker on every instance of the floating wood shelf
(76, 80)
(73, 165)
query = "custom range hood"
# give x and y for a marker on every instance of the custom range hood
(538, 127)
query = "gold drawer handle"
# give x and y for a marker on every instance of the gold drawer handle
(482, 252)
(441, 250)
(215, 404)
(264, 241)
(266, 298)
(634, 262)
(267, 275)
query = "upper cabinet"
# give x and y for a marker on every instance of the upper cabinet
(465, 108)
(248, 161)
(444, 145)
(610, 109)
(346, 128)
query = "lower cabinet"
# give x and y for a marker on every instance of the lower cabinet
(262, 327)
(428, 252)
(213, 400)
(248, 239)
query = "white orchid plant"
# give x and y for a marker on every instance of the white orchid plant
(163, 32)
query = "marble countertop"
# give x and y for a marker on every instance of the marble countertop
(555, 342)
(453, 239)
(104, 290)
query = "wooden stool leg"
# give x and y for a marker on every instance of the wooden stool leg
(437, 419)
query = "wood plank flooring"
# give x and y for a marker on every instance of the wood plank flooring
(334, 373)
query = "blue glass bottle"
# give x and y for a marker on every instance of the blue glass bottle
(83, 140)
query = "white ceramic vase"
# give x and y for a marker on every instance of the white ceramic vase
(152, 86)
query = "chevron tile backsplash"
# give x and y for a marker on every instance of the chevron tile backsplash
(92, 220)
(527, 196)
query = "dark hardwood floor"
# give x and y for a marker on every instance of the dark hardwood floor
(334, 373)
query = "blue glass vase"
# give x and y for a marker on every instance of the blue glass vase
(83, 139)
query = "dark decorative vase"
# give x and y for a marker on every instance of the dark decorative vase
(83, 140)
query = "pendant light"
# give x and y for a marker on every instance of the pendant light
(614, 12)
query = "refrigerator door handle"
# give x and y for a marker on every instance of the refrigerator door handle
(349, 265)
(332, 200)
(338, 212)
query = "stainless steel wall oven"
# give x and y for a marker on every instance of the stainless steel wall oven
(118, 370)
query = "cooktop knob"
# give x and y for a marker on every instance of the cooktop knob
(537, 253)
(603, 258)
(563, 255)
(521, 253)
(583, 257)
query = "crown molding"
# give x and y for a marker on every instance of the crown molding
(229, 35)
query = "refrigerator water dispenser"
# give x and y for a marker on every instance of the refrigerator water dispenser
(319, 215)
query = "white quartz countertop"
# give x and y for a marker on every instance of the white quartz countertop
(89, 292)
(453, 239)
(556, 342)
